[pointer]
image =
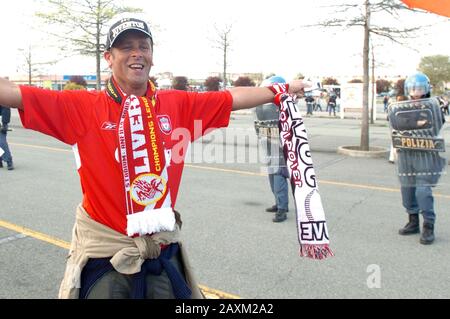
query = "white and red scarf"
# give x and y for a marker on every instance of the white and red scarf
(311, 224)
(143, 163)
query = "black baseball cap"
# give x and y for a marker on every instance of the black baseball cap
(124, 25)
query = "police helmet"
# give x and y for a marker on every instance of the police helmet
(417, 84)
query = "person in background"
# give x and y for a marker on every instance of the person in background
(444, 104)
(385, 103)
(5, 113)
(309, 99)
(332, 104)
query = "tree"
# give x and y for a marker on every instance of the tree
(330, 81)
(180, 83)
(355, 81)
(223, 44)
(363, 18)
(383, 86)
(400, 87)
(299, 76)
(244, 81)
(212, 83)
(78, 79)
(31, 65)
(82, 24)
(74, 86)
(437, 68)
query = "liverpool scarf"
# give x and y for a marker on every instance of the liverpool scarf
(311, 225)
(143, 163)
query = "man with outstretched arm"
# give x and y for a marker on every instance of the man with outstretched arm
(126, 141)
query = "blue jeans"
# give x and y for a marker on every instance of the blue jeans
(4, 146)
(419, 199)
(279, 187)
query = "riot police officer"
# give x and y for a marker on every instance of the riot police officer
(415, 128)
(267, 117)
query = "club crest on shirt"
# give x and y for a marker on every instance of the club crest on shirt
(164, 124)
(148, 189)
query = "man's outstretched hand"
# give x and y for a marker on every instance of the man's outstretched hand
(297, 87)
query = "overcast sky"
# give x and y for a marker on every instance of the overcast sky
(267, 36)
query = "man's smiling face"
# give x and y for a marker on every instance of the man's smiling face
(131, 59)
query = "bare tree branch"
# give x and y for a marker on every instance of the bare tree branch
(350, 15)
(82, 24)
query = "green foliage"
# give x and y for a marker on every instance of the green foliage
(78, 79)
(81, 26)
(437, 68)
(73, 86)
(84, 24)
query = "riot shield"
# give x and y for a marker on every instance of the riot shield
(415, 130)
(268, 133)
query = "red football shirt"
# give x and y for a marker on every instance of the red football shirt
(88, 121)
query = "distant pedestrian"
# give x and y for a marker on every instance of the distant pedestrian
(317, 104)
(5, 113)
(309, 104)
(332, 104)
(444, 104)
(386, 103)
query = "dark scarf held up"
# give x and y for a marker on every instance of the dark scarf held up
(311, 224)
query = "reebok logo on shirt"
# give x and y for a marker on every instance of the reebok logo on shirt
(109, 126)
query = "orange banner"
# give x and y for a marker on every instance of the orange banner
(441, 7)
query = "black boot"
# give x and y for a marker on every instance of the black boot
(280, 216)
(427, 234)
(412, 227)
(10, 165)
(272, 209)
(1, 163)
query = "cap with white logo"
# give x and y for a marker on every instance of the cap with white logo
(124, 25)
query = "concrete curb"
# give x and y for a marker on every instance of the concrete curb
(374, 151)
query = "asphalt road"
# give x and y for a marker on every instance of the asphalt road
(234, 246)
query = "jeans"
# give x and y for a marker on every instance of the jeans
(419, 199)
(332, 108)
(279, 186)
(4, 146)
(114, 285)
